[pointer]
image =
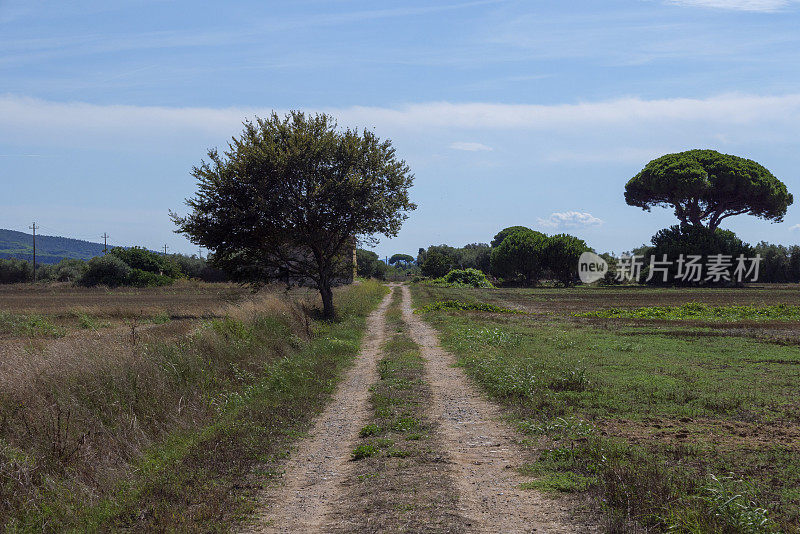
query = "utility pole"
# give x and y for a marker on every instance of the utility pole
(34, 249)
(105, 237)
(165, 250)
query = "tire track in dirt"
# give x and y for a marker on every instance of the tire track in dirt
(484, 452)
(313, 475)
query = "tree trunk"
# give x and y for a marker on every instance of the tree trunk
(328, 311)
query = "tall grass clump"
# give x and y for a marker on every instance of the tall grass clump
(109, 433)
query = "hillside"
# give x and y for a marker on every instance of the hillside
(49, 249)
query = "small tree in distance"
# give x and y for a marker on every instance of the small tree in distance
(289, 196)
(401, 260)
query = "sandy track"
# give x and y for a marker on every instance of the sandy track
(313, 476)
(484, 452)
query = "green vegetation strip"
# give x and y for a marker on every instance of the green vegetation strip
(233, 396)
(465, 306)
(402, 483)
(653, 425)
(697, 310)
(30, 326)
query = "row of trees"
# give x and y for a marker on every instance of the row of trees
(517, 255)
(121, 266)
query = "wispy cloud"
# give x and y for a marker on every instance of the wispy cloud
(470, 147)
(795, 227)
(614, 130)
(764, 6)
(569, 219)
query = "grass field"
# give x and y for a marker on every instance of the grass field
(173, 425)
(686, 420)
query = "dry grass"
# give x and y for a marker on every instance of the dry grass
(184, 299)
(78, 413)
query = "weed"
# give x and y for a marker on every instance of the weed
(370, 430)
(365, 450)
(736, 512)
(565, 482)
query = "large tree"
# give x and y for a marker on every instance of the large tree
(289, 196)
(705, 186)
(520, 256)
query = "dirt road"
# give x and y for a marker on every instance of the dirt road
(481, 452)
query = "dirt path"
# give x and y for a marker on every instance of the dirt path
(484, 452)
(313, 476)
(479, 451)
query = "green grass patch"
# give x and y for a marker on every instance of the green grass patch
(370, 430)
(465, 306)
(365, 450)
(701, 311)
(31, 326)
(564, 482)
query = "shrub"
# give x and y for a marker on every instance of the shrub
(147, 260)
(70, 270)
(464, 277)
(106, 270)
(140, 278)
(14, 271)
(436, 263)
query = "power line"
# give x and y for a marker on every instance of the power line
(34, 249)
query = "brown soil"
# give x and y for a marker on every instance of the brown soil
(485, 453)
(738, 435)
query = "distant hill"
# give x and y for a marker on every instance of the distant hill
(49, 249)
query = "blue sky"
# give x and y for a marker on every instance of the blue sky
(509, 112)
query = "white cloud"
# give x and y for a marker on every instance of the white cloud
(628, 130)
(470, 147)
(569, 219)
(41, 120)
(766, 6)
(795, 227)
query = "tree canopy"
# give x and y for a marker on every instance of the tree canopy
(520, 256)
(707, 186)
(505, 232)
(403, 259)
(289, 196)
